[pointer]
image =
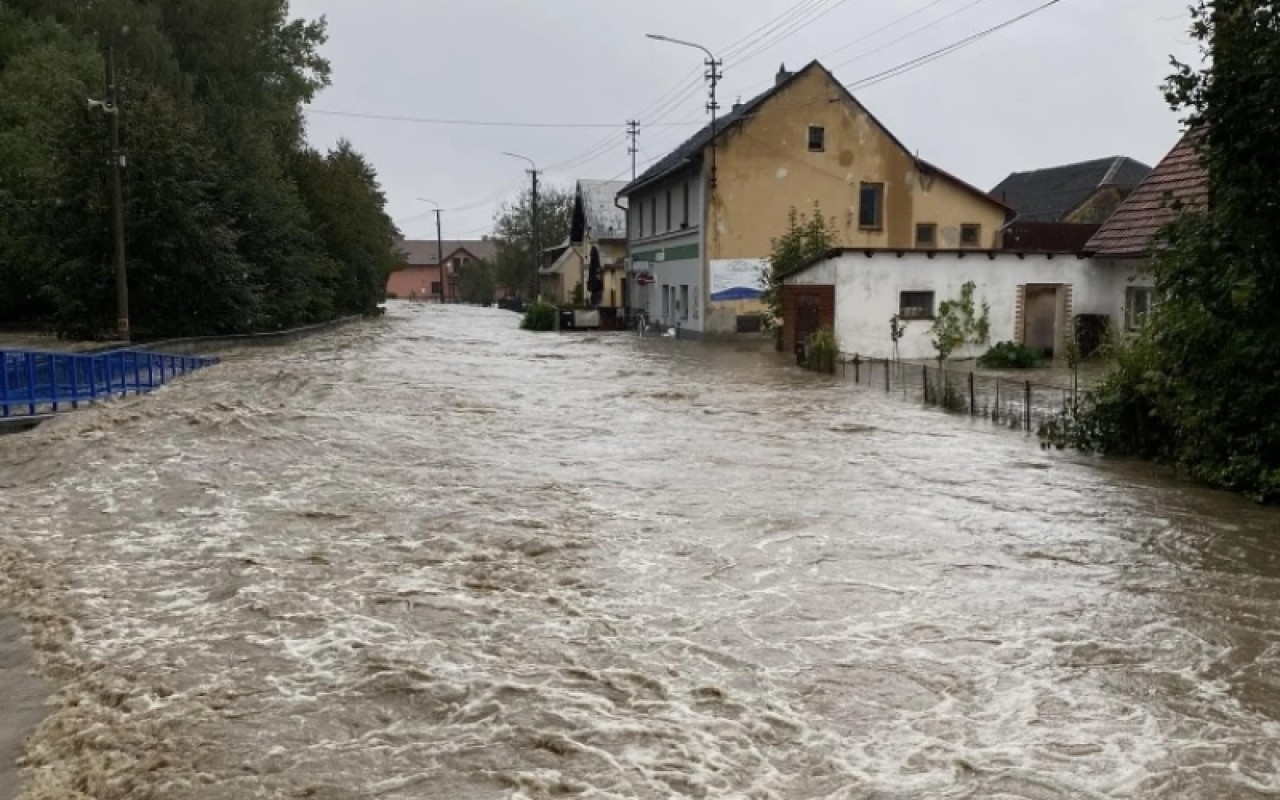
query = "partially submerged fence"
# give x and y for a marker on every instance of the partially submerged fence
(1025, 405)
(34, 383)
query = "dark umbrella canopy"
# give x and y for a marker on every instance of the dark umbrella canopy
(595, 277)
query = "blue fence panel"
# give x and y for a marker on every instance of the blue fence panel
(33, 382)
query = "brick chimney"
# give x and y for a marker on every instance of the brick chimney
(782, 76)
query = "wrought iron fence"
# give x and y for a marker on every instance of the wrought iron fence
(34, 383)
(1025, 405)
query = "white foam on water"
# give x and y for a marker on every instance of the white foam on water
(418, 560)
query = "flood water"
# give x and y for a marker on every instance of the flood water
(433, 556)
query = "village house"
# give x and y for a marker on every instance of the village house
(701, 227)
(1060, 208)
(598, 235)
(429, 269)
(1040, 298)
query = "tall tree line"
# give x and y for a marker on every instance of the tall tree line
(233, 223)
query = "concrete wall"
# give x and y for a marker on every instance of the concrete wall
(868, 293)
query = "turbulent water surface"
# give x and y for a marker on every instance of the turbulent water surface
(436, 557)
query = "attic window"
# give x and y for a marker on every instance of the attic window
(817, 139)
(926, 235)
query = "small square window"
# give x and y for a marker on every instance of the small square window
(817, 139)
(970, 235)
(1138, 302)
(871, 207)
(915, 305)
(926, 235)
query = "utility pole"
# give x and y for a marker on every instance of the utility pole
(111, 107)
(444, 283)
(537, 248)
(714, 75)
(533, 222)
(633, 131)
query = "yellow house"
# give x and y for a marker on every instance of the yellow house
(598, 225)
(699, 240)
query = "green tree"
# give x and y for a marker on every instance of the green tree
(960, 322)
(513, 230)
(476, 283)
(232, 222)
(806, 238)
(1200, 386)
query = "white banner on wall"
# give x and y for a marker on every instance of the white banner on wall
(739, 279)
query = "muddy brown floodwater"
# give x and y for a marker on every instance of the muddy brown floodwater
(436, 557)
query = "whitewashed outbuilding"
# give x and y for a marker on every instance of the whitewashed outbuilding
(1038, 299)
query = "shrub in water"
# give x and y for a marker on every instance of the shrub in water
(822, 350)
(1008, 355)
(541, 316)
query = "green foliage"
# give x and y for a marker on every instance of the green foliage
(1199, 386)
(541, 316)
(579, 295)
(1009, 355)
(822, 350)
(806, 237)
(476, 283)
(958, 323)
(515, 268)
(232, 223)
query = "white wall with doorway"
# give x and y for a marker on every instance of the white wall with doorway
(872, 286)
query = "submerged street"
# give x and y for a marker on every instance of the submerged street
(433, 556)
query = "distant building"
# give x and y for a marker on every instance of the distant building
(422, 275)
(1086, 193)
(698, 252)
(598, 225)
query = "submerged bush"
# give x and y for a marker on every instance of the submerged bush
(541, 316)
(1009, 355)
(822, 350)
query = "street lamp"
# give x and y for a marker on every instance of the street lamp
(713, 76)
(533, 220)
(444, 290)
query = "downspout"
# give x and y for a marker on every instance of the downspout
(628, 274)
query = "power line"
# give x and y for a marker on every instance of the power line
(910, 34)
(916, 63)
(476, 122)
(795, 28)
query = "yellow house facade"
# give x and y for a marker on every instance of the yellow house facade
(806, 141)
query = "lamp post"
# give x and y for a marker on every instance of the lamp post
(444, 284)
(713, 77)
(533, 222)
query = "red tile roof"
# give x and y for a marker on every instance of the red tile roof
(1178, 179)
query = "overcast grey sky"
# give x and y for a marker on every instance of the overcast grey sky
(1079, 80)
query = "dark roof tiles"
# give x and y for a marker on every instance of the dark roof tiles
(1050, 195)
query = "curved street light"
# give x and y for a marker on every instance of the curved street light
(533, 219)
(713, 75)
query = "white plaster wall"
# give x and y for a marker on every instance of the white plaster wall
(868, 290)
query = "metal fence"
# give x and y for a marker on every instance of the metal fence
(34, 383)
(1023, 405)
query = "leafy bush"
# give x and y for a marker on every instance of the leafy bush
(1009, 355)
(541, 316)
(822, 350)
